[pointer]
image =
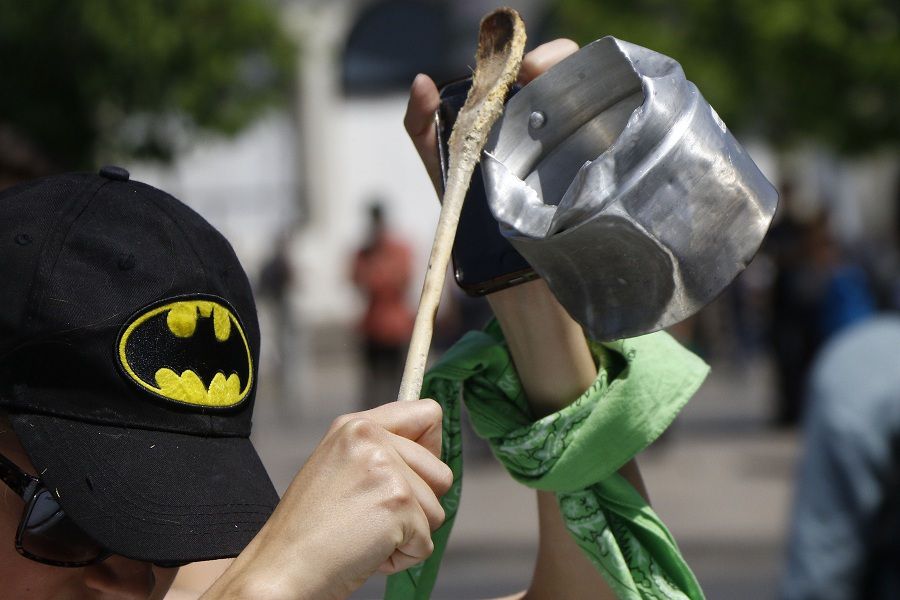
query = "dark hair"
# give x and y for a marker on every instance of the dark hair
(376, 211)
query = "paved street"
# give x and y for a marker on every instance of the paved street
(720, 480)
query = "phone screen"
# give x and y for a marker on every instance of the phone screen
(483, 260)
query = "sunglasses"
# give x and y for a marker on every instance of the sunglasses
(46, 534)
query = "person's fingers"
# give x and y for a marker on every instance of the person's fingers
(545, 56)
(398, 561)
(417, 420)
(423, 101)
(411, 495)
(425, 498)
(405, 494)
(417, 547)
(419, 123)
(426, 465)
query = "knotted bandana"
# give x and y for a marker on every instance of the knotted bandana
(642, 383)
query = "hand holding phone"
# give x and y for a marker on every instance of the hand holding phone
(483, 260)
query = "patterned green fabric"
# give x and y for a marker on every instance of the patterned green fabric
(641, 386)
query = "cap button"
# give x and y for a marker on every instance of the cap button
(114, 173)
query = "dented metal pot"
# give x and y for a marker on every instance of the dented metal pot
(624, 189)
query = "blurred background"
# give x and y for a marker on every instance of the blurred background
(281, 122)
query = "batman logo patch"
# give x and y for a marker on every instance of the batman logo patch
(189, 350)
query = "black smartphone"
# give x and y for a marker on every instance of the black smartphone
(483, 260)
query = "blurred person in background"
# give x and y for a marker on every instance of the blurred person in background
(382, 271)
(19, 159)
(794, 309)
(844, 541)
(884, 261)
(819, 289)
(276, 280)
(846, 296)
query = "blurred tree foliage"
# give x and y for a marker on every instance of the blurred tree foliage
(132, 78)
(789, 70)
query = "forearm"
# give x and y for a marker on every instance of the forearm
(250, 576)
(547, 346)
(555, 366)
(550, 352)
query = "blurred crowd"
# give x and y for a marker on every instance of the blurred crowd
(804, 287)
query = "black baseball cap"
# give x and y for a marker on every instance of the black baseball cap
(128, 363)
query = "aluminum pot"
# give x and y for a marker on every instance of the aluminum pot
(624, 189)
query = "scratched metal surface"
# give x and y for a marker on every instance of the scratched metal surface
(624, 189)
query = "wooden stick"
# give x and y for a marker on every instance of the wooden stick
(501, 43)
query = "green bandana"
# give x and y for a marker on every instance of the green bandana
(641, 385)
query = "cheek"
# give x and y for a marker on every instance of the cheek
(23, 578)
(10, 513)
(164, 579)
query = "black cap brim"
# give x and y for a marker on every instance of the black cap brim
(151, 495)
